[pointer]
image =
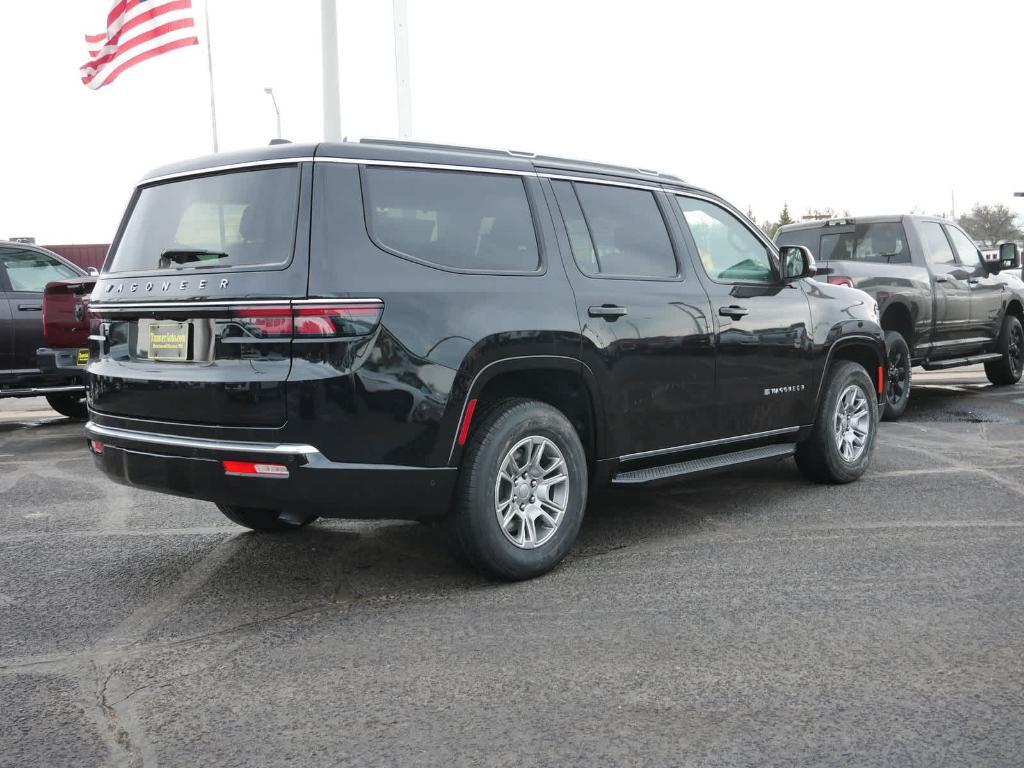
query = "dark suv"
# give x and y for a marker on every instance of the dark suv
(381, 329)
(942, 304)
(28, 367)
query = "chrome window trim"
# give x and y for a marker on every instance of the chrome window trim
(709, 443)
(228, 167)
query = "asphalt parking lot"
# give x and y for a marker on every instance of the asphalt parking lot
(746, 618)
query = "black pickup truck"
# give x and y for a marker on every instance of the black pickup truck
(942, 304)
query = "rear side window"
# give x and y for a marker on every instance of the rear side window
(467, 221)
(616, 231)
(937, 250)
(245, 218)
(31, 270)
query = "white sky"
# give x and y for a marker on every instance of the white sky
(875, 107)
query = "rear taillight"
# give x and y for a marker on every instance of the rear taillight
(311, 321)
(835, 280)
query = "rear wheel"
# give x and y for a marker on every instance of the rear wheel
(269, 520)
(897, 390)
(1008, 368)
(843, 437)
(70, 404)
(522, 491)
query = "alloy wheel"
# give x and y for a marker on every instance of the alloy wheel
(851, 424)
(899, 373)
(531, 492)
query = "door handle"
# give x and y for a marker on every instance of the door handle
(974, 281)
(734, 312)
(608, 311)
(30, 307)
(941, 279)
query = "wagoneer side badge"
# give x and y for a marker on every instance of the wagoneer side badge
(164, 285)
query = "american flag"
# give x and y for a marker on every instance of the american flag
(137, 30)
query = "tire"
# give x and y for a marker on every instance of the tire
(819, 457)
(897, 389)
(1007, 369)
(69, 404)
(504, 439)
(268, 520)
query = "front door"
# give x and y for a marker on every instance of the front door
(762, 325)
(645, 319)
(951, 290)
(987, 291)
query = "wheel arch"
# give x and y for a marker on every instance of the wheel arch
(899, 317)
(564, 383)
(866, 351)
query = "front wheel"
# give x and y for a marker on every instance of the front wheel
(1007, 369)
(522, 491)
(843, 437)
(70, 404)
(897, 389)
(268, 520)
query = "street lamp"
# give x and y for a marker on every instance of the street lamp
(270, 93)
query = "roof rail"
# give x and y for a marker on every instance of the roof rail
(597, 166)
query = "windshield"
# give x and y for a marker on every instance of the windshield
(244, 218)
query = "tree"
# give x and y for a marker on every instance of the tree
(784, 217)
(771, 227)
(991, 224)
(820, 214)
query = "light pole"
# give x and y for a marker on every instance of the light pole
(270, 93)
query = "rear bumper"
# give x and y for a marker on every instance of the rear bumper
(193, 467)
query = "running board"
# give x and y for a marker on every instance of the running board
(695, 466)
(956, 362)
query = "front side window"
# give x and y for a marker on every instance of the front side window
(936, 247)
(224, 220)
(616, 231)
(462, 220)
(30, 270)
(965, 247)
(729, 251)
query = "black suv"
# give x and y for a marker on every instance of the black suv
(381, 329)
(28, 368)
(942, 304)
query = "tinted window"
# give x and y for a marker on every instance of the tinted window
(936, 246)
(474, 221)
(225, 220)
(883, 242)
(728, 250)
(31, 270)
(627, 230)
(576, 226)
(805, 237)
(965, 247)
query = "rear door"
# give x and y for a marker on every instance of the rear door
(194, 302)
(952, 291)
(762, 325)
(28, 271)
(645, 319)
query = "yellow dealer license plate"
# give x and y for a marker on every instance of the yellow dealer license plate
(83, 358)
(168, 341)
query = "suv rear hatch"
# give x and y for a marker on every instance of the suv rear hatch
(192, 317)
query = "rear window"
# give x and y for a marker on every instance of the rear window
(881, 242)
(470, 221)
(245, 218)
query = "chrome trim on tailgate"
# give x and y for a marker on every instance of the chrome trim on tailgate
(152, 438)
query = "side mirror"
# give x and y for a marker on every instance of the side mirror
(1009, 256)
(796, 262)
(92, 272)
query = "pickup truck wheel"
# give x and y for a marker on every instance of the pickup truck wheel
(1007, 369)
(522, 491)
(897, 389)
(843, 437)
(269, 520)
(69, 404)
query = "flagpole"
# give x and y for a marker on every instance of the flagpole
(402, 68)
(332, 88)
(209, 64)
